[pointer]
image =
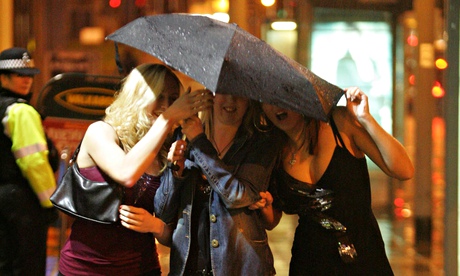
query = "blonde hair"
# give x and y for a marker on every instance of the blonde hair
(128, 113)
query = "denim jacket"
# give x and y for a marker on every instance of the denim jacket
(238, 240)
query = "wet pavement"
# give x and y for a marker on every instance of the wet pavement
(398, 236)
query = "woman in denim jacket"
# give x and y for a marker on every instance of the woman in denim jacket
(208, 195)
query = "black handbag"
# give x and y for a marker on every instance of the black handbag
(83, 198)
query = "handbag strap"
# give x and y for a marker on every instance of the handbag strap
(75, 153)
(77, 149)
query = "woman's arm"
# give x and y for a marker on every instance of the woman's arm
(167, 197)
(100, 144)
(369, 137)
(101, 147)
(271, 215)
(239, 181)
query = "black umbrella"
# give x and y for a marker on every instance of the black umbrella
(228, 60)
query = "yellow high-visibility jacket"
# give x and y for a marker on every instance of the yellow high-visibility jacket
(23, 125)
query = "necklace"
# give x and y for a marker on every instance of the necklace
(222, 151)
(293, 159)
(293, 153)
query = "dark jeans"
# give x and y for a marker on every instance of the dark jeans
(23, 232)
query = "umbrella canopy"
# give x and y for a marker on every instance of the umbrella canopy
(228, 60)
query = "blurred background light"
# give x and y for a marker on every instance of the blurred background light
(267, 3)
(283, 25)
(92, 35)
(221, 16)
(114, 3)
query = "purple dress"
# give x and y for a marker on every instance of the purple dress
(100, 249)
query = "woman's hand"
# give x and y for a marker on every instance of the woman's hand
(265, 201)
(189, 104)
(358, 102)
(270, 215)
(176, 155)
(139, 220)
(192, 127)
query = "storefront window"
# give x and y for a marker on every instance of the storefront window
(357, 53)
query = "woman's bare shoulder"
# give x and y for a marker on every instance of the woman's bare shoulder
(99, 132)
(99, 128)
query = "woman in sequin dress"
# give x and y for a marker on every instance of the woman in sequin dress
(323, 178)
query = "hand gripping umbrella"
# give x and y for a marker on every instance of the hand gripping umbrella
(228, 60)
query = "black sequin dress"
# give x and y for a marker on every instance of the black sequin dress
(315, 248)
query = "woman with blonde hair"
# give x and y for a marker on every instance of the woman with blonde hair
(126, 147)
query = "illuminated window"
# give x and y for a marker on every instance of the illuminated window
(356, 50)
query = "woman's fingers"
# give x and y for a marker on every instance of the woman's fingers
(201, 100)
(177, 150)
(130, 214)
(190, 103)
(354, 93)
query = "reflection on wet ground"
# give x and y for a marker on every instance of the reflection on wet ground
(398, 236)
(403, 257)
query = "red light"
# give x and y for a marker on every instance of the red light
(412, 79)
(412, 40)
(114, 3)
(437, 90)
(398, 202)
